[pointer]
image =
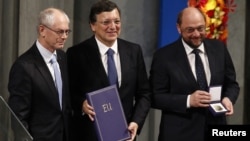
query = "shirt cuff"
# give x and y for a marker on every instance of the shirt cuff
(188, 101)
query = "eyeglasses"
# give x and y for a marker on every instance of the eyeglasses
(59, 32)
(108, 22)
(192, 29)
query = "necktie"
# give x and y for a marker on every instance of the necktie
(58, 79)
(112, 73)
(200, 73)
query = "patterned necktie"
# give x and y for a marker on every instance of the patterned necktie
(200, 72)
(112, 73)
(58, 79)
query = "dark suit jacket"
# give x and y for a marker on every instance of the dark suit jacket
(88, 74)
(172, 80)
(34, 97)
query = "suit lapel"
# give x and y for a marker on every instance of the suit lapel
(61, 61)
(124, 61)
(45, 73)
(211, 54)
(95, 62)
(183, 62)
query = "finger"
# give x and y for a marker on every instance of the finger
(91, 117)
(92, 113)
(90, 107)
(203, 103)
(230, 111)
(132, 137)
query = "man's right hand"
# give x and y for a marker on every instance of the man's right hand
(89, 110)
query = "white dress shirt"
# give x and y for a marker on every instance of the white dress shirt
(47, 56)
(103, 49)
(191, 59)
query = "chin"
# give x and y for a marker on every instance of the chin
(59, 47)
(196, 44)
(114, 37)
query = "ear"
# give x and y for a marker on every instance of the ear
(41, 30)
(92, 26)
(178, 28)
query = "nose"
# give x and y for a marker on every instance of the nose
(65, 35)
(196, 32)
(112, 24)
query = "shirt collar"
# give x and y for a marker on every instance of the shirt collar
(46, 54)
(103, 48)
(190, 49)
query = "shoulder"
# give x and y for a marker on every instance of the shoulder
(25, 61)
(128, 45)
(126, 42)
(215, 46)
(28, 56)
(82, 45)
(169, 49)
(214, 42)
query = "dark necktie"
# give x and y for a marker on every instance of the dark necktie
(200, 73)
(112, 73)
(58, 79)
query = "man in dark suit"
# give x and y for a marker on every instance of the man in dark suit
(183, 102)
(42, 108)
(88, 72)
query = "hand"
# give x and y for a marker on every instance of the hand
(133, 130)
(200, 99)
(89, 110)
(228, 105)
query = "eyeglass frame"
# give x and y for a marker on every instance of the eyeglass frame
(200, 29)
(108, 22)
(59, 32)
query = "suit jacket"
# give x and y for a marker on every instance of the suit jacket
(34, 97)
(172, 80)
(87, 74)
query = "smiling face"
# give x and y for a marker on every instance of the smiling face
(107, 27)
(192, 27)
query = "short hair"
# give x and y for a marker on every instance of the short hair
(102, 6)
(46, 17)
(179, 17)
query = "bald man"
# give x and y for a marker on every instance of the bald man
(41, 104)
(176, 92)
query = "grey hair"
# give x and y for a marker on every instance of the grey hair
(46, 17)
